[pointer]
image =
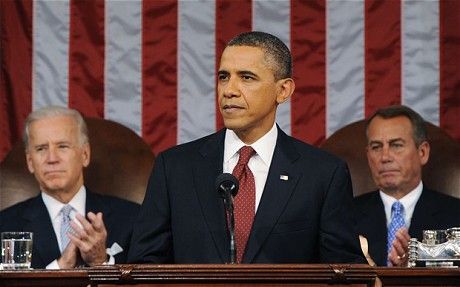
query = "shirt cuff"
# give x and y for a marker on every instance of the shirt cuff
(111, 260)
(53, 265)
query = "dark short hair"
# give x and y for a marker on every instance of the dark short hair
(277, 53)
(417, 122)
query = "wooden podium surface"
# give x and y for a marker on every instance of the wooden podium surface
(233, 275)
(239, 275)
(419, 276)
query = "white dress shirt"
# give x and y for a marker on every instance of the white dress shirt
(78, 203)
(408, 201)
(259, 163)
(54, 207)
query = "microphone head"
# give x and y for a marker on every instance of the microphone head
(227, 182)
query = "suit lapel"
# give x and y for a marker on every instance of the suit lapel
(45, 245)
(205, 172)
(276, 194)
(37, 220)
(424, 215)
(376, 228)
(95, 204)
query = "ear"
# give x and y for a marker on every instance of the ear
(284, 90)
(30, 165)
(424, 152)
(86, 154)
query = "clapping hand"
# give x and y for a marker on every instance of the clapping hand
(90, 238)
(400, 247)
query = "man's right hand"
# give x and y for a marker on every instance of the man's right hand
(68, 257)
(400, 248)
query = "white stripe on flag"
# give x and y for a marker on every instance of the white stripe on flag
(273, 17)
(420, 58)
(344, 64)
(50, 54)
(196, 70)
(123, 65)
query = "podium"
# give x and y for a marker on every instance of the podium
(240, 275)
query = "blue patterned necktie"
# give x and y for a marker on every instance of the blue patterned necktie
(65, 225)
(397, 221)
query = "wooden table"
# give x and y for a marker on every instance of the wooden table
(233, 275)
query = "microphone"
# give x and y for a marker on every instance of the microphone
(227, 185)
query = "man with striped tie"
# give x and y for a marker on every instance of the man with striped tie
(57, 149)
(403, 207)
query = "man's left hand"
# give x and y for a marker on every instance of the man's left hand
(400, 247)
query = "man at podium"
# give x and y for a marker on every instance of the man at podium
(294, 200)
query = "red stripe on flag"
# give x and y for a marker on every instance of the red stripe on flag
(15, 70)
(159, 74)
(86, 57)
(382, 54)
(449, 67)
(308, 46)
(232, 18)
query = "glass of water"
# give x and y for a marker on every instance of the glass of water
(16, 250)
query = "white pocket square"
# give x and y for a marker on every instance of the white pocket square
(114, 250)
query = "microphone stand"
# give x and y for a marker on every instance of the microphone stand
(227, 186)
(228, 202)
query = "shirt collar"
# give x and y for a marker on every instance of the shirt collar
(408, 201)
(264, 147)
(54, 206)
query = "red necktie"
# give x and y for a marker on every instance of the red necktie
(245, 201)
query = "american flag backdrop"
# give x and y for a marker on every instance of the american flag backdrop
(151, 64)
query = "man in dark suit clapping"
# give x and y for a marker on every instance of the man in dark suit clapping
(403, 207)
(57, 149)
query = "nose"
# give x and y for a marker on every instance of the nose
(230, 88)
(386, 155)
(52, 155)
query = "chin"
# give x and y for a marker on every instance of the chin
(54, 186)
(389, 187)
(231, 125)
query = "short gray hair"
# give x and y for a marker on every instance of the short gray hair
(418, 123)
(56, 111)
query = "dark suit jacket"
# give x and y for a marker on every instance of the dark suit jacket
(432, 211)
(32, 215)
(299, 220)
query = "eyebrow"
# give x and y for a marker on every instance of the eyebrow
(374, 142)
(240, 73)
(396, 140)
(390, 141)
(222, 72)
(56, 143)
(246, 73)
(40, 145)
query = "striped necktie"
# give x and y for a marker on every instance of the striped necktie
(65, 225)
